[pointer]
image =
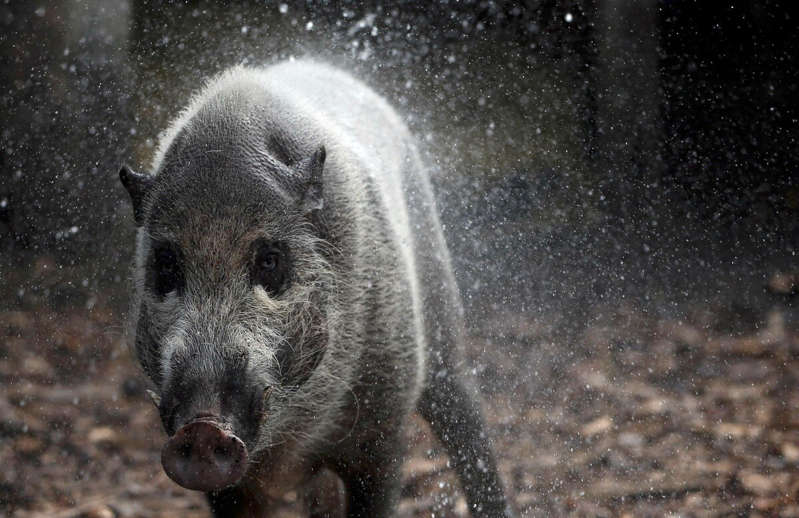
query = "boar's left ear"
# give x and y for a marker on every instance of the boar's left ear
(137, 186)
(311, 168)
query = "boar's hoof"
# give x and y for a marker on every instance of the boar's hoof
(203, 457)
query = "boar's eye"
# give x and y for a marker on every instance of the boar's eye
(166, 274)
(269, 266)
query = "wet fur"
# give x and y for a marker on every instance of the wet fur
(374, 286)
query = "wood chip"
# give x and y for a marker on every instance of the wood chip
(102, 434)
(755, 482)
(598, 426)
(790, 452)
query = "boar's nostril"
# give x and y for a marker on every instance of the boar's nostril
(203, 456)
(222, 452)
(184, 450)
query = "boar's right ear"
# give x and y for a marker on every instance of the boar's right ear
(137, 186)
(312, 168)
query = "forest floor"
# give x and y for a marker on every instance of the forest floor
(632, 415)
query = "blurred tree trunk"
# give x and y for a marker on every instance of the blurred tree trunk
(66, 119)
(619, 118)
(628, 141)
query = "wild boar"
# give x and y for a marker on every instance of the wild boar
(294, 300)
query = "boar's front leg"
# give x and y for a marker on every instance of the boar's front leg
(320, 497)
(243, 502)
(373, 492)
(372, 475)
(233, 502)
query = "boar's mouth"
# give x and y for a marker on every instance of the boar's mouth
(204, 455)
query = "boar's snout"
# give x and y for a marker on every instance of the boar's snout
(204, 457)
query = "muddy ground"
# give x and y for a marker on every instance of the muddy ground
(633, 415)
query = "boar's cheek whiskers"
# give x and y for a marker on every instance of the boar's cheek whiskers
(264, 407)
(168, 349)
(154, 398)
(266, 303)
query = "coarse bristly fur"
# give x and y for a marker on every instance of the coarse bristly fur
(366, 330)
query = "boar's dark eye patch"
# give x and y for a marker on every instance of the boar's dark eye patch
(269, 266)
(165, 272)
